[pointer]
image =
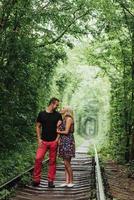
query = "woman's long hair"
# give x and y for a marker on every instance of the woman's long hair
(68, 112)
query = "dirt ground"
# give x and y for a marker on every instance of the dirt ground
(121, 183)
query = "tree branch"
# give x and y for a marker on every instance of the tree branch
(46, 5)
(66, 29)
(127, 23)
(123, 6)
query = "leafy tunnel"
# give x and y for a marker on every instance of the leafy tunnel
(82, 52)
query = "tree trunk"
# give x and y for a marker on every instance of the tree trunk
(132, 102)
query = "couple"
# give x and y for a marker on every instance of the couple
(54, 130)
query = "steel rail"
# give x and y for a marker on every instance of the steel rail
(99, 180)
(17, 178)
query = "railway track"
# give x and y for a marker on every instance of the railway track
(85, 177)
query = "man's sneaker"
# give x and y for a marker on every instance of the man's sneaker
(51, 185)
(35, 184)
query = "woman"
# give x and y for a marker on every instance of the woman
(67, 143)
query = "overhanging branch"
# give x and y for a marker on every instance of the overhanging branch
(66, 29)
(124, 7)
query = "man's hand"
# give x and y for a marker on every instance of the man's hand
(58, 139)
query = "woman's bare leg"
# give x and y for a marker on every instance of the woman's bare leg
(66, 175)
(69, 170)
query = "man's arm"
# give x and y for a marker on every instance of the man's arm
(58, 124)
(38, 132)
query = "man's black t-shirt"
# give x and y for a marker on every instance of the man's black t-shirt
(49, 124)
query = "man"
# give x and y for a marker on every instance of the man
(47, 121)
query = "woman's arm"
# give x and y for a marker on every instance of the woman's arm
(67, 126)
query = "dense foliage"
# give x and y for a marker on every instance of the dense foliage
(113, 51)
